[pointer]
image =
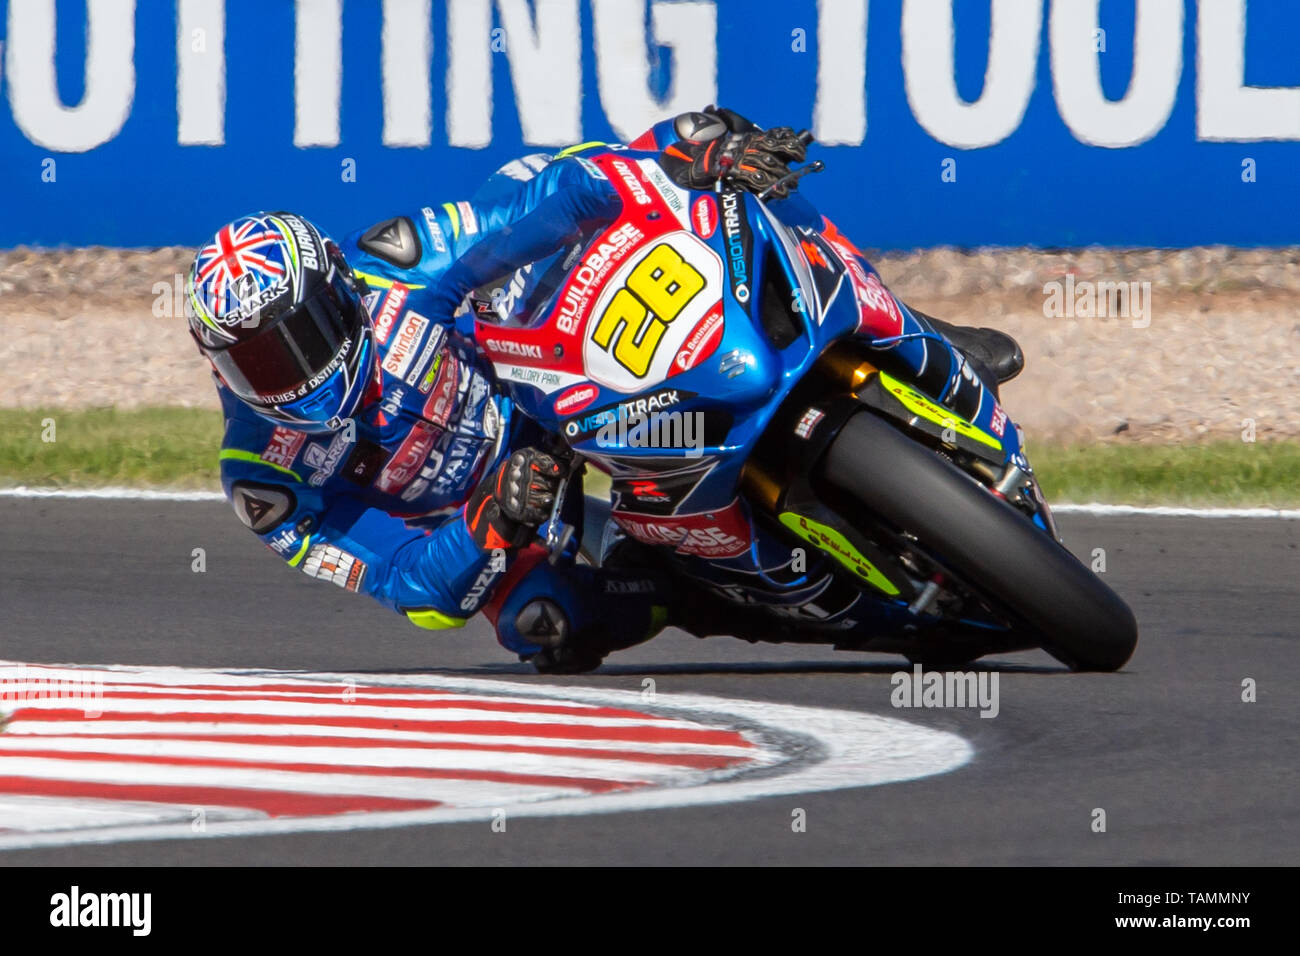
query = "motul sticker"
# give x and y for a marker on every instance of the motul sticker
(704, 217)
(392, 307)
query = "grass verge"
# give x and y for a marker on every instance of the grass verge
(1226, 473)
(158, 447)
(177, 448)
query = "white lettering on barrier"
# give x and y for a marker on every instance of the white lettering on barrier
(543, 45)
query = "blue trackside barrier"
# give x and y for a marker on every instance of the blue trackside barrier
(1004, 122)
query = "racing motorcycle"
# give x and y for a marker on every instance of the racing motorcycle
(728, 373)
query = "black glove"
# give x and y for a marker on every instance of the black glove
(511, 503)
(720, 144)
(764, 157)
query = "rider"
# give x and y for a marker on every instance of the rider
(365, 442)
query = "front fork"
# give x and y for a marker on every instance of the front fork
(839, 384)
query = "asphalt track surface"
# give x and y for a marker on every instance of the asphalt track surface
(1186, 771)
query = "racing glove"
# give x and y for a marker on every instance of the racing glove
(510, 504)
(720, 144)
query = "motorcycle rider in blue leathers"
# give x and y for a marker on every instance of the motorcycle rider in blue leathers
(365, 441)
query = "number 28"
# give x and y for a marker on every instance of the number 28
(656, 292)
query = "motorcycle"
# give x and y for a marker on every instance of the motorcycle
(736, 377)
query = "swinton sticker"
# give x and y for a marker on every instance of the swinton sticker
(407, 338)
(576, 399)
(704, 217)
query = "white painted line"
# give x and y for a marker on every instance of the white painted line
(143, 494)
(1291, 514)
(120, 494)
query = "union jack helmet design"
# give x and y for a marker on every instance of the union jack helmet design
(275, 308)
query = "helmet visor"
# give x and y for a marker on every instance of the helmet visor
(292, 355)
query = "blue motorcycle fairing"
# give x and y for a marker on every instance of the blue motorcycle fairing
(747, 378)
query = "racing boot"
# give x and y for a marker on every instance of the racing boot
(988, 350)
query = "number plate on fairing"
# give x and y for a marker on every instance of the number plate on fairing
(648, 310)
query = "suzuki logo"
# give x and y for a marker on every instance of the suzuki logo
(736, 362)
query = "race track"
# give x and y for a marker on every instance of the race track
(1186, 772)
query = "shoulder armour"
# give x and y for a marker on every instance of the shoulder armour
(262, 507)
(393, 240)
(698, 127)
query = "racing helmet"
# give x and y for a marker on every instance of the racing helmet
(275, 308)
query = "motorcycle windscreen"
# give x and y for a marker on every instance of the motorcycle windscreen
(518, 298)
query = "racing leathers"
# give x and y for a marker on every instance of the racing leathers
(379, 506)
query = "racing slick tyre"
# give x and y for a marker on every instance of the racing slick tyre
(996, 551)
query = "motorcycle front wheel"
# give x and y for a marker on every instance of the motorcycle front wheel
(992, 548)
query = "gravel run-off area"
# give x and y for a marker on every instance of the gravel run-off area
(1217, 341)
